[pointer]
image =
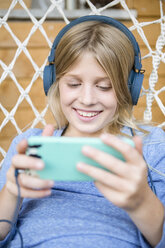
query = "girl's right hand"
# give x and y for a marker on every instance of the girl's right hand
(30, 186)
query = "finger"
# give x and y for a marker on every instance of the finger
(112, 195)
(10, 175)
(48, 130)
(27, 193)
(105, 177)
(30, 182)
(106, 160)
(22, 146)
(21, 161)
(130, 153)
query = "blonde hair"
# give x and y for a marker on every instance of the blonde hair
(113, 51)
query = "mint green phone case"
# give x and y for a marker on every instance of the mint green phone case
(61, 154)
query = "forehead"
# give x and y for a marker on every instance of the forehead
(87, 64)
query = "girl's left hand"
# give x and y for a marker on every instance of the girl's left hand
(125, 185)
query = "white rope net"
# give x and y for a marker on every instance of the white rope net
(157, 54)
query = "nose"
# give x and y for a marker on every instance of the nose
(87, 95)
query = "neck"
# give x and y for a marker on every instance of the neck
(68, 132)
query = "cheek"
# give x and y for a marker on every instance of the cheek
(110, 101)
(66, 97)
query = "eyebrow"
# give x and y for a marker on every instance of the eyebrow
(71, 75)
(103, 78)
(78, 77)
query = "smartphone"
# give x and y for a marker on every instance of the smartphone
(61, 154)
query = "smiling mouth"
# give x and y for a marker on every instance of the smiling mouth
(88, 114)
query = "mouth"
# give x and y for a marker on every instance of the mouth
(87, 114)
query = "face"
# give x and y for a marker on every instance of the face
(87, 98)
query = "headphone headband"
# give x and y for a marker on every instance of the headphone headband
(49, 71)
(104, 19)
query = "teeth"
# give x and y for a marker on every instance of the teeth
(87, 114)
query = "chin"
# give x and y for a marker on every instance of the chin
(90, 131)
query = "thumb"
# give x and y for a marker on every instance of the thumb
(48, 130)
(138, 144)
(22, 146)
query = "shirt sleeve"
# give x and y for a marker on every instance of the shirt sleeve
(154, 154)
(6, 165)
(12, 151)
(7, 162)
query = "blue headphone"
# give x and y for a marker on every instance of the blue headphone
(136, 75)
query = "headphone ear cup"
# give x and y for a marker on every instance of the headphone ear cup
(49, 77)
(134, 84)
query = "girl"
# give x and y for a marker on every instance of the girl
(90, 97)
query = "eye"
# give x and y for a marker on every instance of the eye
(73, 82)
(104, 88)
(73, 85)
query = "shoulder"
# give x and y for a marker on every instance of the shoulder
(13, 150)
(33, 132)
(155, 137)
(6, 163)
(153, 132)
(154, 145)
(27, 134)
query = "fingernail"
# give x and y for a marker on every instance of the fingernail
(40, 164)
(80, 166)
(48, 192)
(103, 136)
(106, 136)
(51, 183)
(85, 149)
(88, 150)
